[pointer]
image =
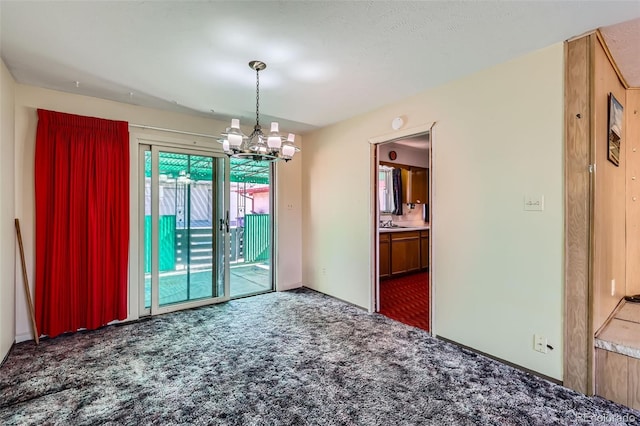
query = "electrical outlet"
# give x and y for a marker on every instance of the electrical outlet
(324, 271)
(613, 287)
(539, 343)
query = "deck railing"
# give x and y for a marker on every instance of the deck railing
(256, 238)
(248, 245)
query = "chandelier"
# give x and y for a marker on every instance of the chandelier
(258, 146)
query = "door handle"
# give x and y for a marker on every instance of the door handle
(224, 223)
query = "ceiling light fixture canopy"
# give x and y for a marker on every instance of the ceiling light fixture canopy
(258, 146)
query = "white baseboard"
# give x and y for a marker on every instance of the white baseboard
(291, 286)
(23, 337)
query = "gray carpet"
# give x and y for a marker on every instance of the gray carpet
(294, 358)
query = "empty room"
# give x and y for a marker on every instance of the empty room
(319, 212)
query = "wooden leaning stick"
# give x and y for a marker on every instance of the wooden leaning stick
(25, 280)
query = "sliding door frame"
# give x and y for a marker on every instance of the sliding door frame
(142, 149)
(148, 143)
(272, 238)
(217, 261)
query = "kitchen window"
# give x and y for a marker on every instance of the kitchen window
(385, 189)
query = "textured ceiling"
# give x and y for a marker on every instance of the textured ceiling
(326, 61)
(623, 41)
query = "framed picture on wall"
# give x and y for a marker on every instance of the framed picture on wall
(615, 129)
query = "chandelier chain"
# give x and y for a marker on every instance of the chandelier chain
(257, 98)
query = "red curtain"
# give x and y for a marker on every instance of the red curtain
(82, 222)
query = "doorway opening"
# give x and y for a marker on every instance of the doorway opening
(402, 195)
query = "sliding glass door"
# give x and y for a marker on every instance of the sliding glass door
(186, 229)
(251, 225)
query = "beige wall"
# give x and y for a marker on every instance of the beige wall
(7, 212)
(288, 221)
(609, 197)
(29, 98)
(497, 270)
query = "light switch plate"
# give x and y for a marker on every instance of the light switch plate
(534, 202)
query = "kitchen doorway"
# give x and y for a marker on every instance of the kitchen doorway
(402, 170)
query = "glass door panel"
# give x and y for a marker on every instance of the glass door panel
(186, 267)
(251, 227)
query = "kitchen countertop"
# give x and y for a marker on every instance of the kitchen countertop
(621, 334)
(409, 228)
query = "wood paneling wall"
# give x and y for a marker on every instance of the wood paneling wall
(633, 386)
(602, 209)
(609, 210)
(618, 378)
(613, 369)
(632, 124)
(578, 333)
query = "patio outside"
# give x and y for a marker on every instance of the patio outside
(186, 233)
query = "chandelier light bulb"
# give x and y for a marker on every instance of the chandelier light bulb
(288, 151)
(260, 148)
(274, 141)
(288, 148)
(234, 140)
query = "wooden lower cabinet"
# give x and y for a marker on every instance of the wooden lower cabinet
(424, 250)
(405, 252)
(385, 255)
(618, 378)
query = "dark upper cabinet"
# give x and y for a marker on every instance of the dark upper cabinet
(415, 185)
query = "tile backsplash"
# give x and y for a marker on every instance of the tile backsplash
(411, 217)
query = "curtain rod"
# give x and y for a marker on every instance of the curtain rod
(182, 132)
